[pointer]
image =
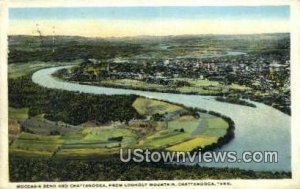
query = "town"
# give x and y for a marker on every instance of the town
(264, 78)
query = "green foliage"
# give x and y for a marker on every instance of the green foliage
(111, 169)
(33, 145)
(18, 114)
(118, 139)
(235, 100)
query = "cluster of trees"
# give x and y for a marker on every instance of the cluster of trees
(275, 100)
(70, 107)
(235, 100)
(110, 169)
(118, 139)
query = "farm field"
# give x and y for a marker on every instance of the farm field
(151, 107)
(34, 145)
(189, 145)
(16, 116)
(19, 114)
(165, 126)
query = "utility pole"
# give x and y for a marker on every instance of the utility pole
(40, 36)
(53, 39)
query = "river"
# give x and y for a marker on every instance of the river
(256, 129)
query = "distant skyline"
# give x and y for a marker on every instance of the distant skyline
(134, 21)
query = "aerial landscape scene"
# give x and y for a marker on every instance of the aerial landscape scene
(85, 83)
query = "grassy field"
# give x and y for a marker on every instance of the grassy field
(135, 84)
(150, 107)
(19, 114)
(39, 125)
(35, 145)
(163, 139)
(19, 70)
(209, 130)
(188, 125)
(14, 129)
(217, 123)
(170, 133)
(105, 135)
(16, 116)
(91, 141)
(176, 134)
(190, 145)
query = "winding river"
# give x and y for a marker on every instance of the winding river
(257, 129)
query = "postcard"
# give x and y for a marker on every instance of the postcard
(150, 95)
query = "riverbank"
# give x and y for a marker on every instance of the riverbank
(235, 100)
(211, 88)
(219, 95)
(247, 120)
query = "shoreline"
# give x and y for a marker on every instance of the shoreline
(243, 97)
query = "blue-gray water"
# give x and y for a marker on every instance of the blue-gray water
(257, 129)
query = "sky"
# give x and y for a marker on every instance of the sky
(158, 21)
